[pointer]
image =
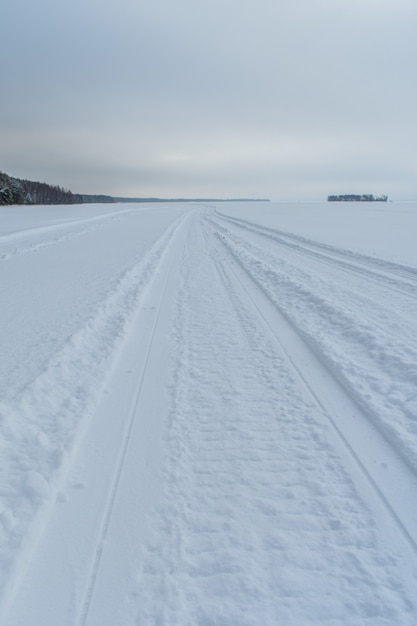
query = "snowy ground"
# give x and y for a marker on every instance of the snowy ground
(208, 415)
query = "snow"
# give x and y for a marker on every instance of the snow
(208, 414)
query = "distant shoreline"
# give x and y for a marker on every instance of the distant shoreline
(116, 199)
(18, 191)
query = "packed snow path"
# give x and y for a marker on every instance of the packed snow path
(214, 422)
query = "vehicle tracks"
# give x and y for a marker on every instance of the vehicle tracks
(390, 478)
(113, 476)
(397, 277)
(159, 287)
(359, 334)
(53, 235)
(226, 475)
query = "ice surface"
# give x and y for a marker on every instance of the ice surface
(208, 414)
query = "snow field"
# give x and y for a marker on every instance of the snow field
(219, 427)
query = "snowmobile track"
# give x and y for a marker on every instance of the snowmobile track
(396, 490)
(162, 272)
(394, 276)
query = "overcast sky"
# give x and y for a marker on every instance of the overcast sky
(286, 99)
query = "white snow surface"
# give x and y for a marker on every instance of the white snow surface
(208, 414)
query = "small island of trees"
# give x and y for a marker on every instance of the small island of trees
(352, 197)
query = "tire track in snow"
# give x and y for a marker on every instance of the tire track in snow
(82, 227)
(261, 523)
(373, 361)
(391, 479)
(404, 314)
(396, 277)
(163, 273)
(57, 409)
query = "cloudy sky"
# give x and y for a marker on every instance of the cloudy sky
(286, 99)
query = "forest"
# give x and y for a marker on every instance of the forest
(21, 191)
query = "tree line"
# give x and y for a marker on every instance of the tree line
(20, 191)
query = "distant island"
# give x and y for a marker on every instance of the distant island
(20, 191)
(351, 197)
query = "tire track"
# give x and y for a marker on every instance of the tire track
(361, 334)
(105, 353)
(273, 260)
(163, 273)
(396, 277)
(391, 480)
(83, 227)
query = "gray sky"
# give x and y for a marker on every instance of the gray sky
(286, 99)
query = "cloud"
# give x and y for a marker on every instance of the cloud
(166, 98)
